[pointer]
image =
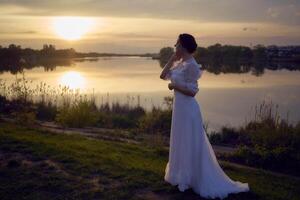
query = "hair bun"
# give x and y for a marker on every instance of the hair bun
(188, 42)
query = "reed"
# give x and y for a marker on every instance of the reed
(267, 140)
(71, 107)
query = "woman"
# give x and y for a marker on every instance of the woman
(192, 161)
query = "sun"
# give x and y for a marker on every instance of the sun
(72, 28)
(72, 79)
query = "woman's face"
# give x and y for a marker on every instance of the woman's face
(179, 50)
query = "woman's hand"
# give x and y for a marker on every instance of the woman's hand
(169, 64)
(181, 89)
(175, 57)
(170, 86)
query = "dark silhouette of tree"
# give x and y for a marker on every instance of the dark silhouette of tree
(260, 54)
(164, 55)
(219, 58)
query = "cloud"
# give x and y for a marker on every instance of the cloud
(276, 11)
(288, 13)
(131, 35)
(18, 32)
(250, 29)
(273, 12)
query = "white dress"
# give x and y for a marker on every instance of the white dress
(192, 161)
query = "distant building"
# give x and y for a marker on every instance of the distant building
(283, 52)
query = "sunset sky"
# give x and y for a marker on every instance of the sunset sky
(140, 26)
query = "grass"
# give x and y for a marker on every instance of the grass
(75, 167)
(74, 108)
(267, 141)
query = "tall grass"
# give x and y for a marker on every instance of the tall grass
(72, 108)
(267, 140)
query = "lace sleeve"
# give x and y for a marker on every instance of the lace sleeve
(191, 75)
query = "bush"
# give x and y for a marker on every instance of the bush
(77, 114)
(46, 111)
(267, 141)
(121, 121)
(156, 121)
(278, 159)
(26, 118)
(119, 116)
(229, 136)
(3, 103)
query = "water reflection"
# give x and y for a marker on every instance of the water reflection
(18, 66)
(73, 80)
(255, 68)
(226, 95)
(49, 64)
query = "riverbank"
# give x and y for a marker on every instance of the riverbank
(52, 165)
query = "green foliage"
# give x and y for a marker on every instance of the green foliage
(116, 166)
(77, 114)
(219, 58)
(156, 121)
(218, 53)
(278, 159)
(119, 116)
(165, 54)
(25, 117)
(46, 111)
(3, 103)
(259, 53)
(70, 108)
(122, 121)
(266, 141)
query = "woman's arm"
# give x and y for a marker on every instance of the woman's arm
(167, 67)
(182, 89)
(190, 85)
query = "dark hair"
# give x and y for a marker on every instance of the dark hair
(188, 42)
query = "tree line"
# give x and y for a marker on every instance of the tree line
(218, 53)
(15, 52)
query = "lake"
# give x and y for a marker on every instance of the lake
(224, 99)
